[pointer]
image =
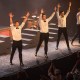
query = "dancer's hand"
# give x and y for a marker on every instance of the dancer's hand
(55, 8)
(11, 15)
(58, 5)
(42, 11)
(70, 4)
(28, 14)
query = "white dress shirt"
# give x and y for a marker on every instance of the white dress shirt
(16, 33)
(62, 20)
(44, 25)
(78, 18)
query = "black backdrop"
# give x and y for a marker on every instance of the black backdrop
(20, 7)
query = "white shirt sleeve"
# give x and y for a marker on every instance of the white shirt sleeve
(11, 26)
(67, 13)
(51, 16)
(40, 17)
(22, 25)
(57, 14)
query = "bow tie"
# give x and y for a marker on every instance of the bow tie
(44, 21)
(17, 28)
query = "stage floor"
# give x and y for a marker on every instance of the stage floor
(30, 60)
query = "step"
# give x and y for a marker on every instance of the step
(26, 39)
(24, 44)
(52, 33)
(52, 24)
(28, 34)
(1, 41)
(54, 28)
(3, 36)
(51, 37)
(32, 30)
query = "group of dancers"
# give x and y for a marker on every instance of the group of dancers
(44, 31)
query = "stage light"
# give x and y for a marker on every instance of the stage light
(34, 16)
(37, 17)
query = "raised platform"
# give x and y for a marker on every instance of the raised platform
(30, 38)
(30, 60)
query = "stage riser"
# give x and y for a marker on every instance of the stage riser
(52, 30)
(26, 41)
(5, 48)
(53, 35)
(30, 39)
(4, 39)
(30, 32)
(53, 26)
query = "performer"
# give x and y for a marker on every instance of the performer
(16, 36)
(44, 32)
(62, 25)
(78, 27)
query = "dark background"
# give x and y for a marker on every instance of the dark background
(20, 7)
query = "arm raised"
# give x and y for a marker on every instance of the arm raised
(69, 8)
(52, 14)
(11, 18)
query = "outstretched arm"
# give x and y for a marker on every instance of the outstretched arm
(68, 9)
(58, 9)
(25, 19)
(11, 18)
(52, 14)
(40, 17)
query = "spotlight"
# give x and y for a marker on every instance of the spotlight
(34, 16)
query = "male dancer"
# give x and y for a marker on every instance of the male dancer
(44, 32)
(16, 36)
(62, 25)
(78, 27)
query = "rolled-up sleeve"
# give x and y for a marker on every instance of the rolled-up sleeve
(11, 26)
(22, 25)
(57, 14)
(40, 17)
(67, 13)
(51, 16)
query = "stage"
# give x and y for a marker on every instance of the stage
(31, 61)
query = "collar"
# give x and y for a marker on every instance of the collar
(17, 28)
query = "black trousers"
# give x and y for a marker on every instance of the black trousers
(64, 31)
(15, 45)
(43, 37)
(77, 34)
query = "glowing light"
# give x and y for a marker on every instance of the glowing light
(34, 16)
